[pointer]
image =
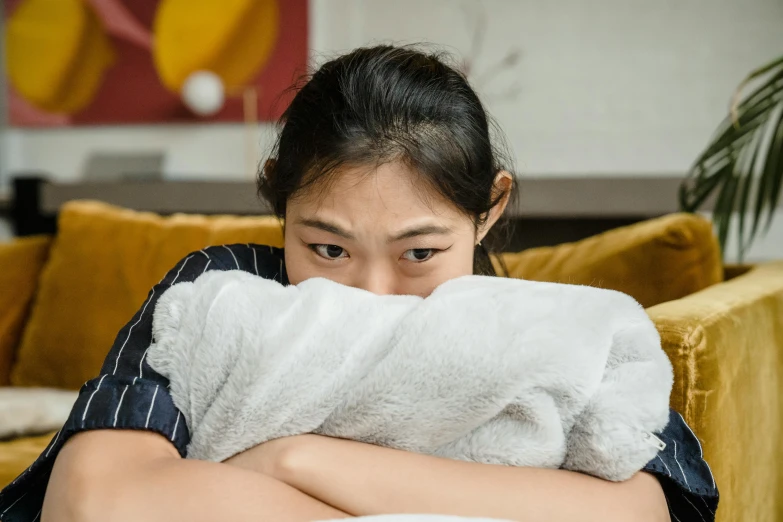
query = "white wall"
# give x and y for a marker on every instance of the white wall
(608, 86)
(191, 151)
(613, 87)
(617, 87)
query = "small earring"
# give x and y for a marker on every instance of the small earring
(478, 244)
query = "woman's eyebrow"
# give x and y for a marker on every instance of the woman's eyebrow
(426, 230)
(326, 227)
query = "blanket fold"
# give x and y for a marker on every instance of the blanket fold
(485, 369)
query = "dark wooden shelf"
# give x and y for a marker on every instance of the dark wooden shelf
(548, 211)
(598, 197)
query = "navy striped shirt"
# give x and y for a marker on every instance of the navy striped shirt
(128, 394)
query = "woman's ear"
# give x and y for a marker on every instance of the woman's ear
(501, 192)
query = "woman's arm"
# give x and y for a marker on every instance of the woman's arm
(123, 475)
(367, 480)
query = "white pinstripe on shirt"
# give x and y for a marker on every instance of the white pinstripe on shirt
(180, 268)
(701, 452)
(54, 442)
(119, 405)
(232, 255)
(174, 432)
(87, 407)
(255, 257)
(678, 465)
(13, 504)
(152, 404)
(130, 331)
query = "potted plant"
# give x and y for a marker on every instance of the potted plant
(742, 166)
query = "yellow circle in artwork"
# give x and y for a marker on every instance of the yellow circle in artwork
(57, 54)
(231, 38)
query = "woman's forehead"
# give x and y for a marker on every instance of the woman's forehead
(391, 189)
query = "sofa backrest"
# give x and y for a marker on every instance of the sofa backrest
(653, 261)
(103, 263)
(105, 260)
(21, 262)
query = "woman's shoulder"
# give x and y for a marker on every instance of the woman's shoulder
(262, 260)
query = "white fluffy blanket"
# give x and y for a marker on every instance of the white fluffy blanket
(485, 369)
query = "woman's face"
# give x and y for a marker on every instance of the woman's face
(382, 231)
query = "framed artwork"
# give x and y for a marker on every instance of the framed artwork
(90, 62)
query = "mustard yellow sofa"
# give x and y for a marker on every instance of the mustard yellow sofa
(63, 299)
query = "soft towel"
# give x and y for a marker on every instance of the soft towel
(485, 369)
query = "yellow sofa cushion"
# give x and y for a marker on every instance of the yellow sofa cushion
(103, 262)
(726, 348)
(654, 261)
(17, 455)
(105, 259)
(21, 262)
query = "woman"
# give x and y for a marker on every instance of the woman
(387, 180)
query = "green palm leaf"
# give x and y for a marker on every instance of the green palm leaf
(742, 166)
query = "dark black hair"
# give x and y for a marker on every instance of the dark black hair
(380, 104)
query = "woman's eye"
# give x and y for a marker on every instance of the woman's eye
(418, 255)
(329, 251)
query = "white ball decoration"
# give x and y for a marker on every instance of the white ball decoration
(203, 93)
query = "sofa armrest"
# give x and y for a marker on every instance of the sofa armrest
(726, 347)
(21, 262)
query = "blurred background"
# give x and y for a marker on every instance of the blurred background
(606, 105)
